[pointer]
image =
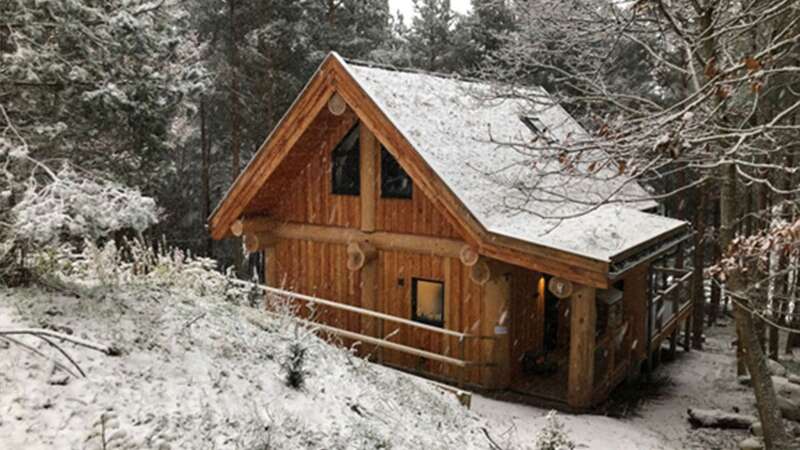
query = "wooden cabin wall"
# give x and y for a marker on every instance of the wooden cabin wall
(414, 216)
(462, 311)
(300, 191)
(319, 269)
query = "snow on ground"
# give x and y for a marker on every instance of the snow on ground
(198, 373)
(704, 379)
(520, 423)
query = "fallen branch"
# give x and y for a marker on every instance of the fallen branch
(492, 444)
(108, 350)
(715, 418)
(38, 353)
(64, 353)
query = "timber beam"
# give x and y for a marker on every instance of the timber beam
(266, 230)
(467, 253)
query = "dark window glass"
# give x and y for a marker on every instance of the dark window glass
(345, 165)
(427, 302)
(395, 182)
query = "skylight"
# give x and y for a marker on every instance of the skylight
(539, 129)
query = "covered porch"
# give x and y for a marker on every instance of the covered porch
(571, 352)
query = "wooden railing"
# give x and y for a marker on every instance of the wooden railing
(612, 357)
(382, 342)
(671, 304)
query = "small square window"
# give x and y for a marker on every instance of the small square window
(427, 302)
(395, 182)
(345, 165)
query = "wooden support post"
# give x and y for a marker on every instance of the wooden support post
(254, 242)
(495, 324)
(673, 343)
(370, 154)
(687, 333)
(581, 347)
(363, 255)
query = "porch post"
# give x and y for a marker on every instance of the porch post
(583, 318)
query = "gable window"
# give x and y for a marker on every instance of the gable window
(345, 165)
(427, 302)
(395, 182)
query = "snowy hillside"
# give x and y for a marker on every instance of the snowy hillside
(199, 369)
(197, 373)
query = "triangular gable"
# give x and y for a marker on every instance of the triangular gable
(331, 77)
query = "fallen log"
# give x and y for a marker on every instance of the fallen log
(715, 418)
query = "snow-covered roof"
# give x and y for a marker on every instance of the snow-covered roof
(459, 136)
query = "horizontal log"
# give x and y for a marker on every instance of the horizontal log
(715, 418)
(481, 272)
(358, 254)
(254, 242)
(382, 240)
(469, 255)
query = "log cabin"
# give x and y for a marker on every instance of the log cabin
(384, 202)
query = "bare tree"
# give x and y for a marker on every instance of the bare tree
(678, 95)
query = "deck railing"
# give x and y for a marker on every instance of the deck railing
(671, 304)
(460, 362)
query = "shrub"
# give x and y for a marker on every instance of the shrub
(294, 365)
(553, 436)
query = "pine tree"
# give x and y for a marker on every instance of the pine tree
(97, 82)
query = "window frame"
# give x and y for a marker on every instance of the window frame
(355, 191)
(385, 155)
(414, 302)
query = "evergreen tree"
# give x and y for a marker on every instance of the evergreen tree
(97, 82)
(430, 41)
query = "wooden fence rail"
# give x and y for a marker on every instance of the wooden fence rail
(461, 362)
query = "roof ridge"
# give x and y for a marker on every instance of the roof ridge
(412, 70)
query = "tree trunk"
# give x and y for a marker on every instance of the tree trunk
(235, 121)
(751, 351)
(716, 257)
(206, 175)
(698, 262)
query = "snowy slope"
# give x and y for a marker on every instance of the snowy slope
(196, 373)
(201, 373)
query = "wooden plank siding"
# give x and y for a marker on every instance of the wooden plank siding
(300, 192)
(318, 269)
